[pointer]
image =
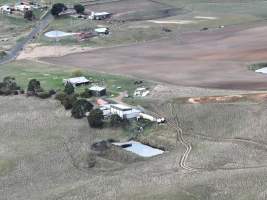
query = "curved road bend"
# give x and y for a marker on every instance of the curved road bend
(38, 28)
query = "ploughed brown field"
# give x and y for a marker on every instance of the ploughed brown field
(215, 58)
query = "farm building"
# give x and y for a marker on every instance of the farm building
(125, 112)
(5, 9)
(99, 15)
(76, 81)
(22, 7)
(106, 110)
(98, 91)
(104, 31)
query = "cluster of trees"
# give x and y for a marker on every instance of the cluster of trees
(78, 103)
(9, 86)
(58, 8)
(79, 107)
(28, 14)
(34, 89)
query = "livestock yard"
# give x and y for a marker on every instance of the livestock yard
(186, 81)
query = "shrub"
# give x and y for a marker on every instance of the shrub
(68, 101)
(52, 92)
(34, 87)
(60, 96)
(28, 14)
(69, 89)
(79, 8)
(95, 118)
(80, 107)
(86, 93)
(58, 8)
(43, 95)
(91, 160)
(115, 120)
(10, 83)
(76, 73)
(9, 86)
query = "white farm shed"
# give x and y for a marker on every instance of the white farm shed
(125, 112)
(76, 81)
(5, 9)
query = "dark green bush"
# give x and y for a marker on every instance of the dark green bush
(80, 107)
(95, 118)
(43, 95)
(58, 8)
(9, 86)
(115, 120)
(34, 87)
(69, 89)
(68, 101)
(79, 8)
(86, 93)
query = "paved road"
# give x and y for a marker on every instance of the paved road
(39, 27)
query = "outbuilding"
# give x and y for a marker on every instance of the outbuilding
(125, 112)
(76, 81)
(99, 15)
(97, 91)
(5, 9)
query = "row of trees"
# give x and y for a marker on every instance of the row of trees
(60, 7)
(76, 102)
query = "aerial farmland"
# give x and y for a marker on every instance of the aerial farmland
(133, 99)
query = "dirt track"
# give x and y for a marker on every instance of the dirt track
(213, 59)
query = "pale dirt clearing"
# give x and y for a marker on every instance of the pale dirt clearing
(33, 51)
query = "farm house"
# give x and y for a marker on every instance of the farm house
(125, 112)
(98, 91)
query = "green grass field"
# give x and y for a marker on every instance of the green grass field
(51, 76)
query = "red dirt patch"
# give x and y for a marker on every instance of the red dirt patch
(229, 98)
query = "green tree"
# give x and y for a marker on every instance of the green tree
(79, 8)
(95, 118)
(28, 14)
(58, 8)
(80, 107)
(86, 93)
(34, 86)
(69, 89)
(69, 101)
(115, 120)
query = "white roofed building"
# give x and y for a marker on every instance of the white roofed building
(76, 81)
(98, 91)
(125, 112)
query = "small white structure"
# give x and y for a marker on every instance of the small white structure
(151, 118)
(97, 90)
(148, 117)
(76, 81)
(106, 110)
(141, 92)
(262, 70)
(58, 34)
(140, 149)
(22, 7)
(102, 31)
(5, 9)
(99, 15)
(125, 112)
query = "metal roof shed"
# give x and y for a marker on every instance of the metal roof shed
(98, 91)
